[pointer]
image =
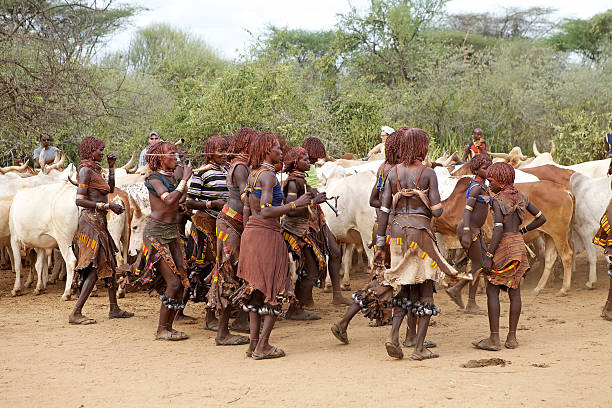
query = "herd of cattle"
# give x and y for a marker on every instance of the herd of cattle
(38, 211)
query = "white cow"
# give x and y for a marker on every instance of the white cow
(592, 198)
(44, 217)
(353, 226)
(140, 211)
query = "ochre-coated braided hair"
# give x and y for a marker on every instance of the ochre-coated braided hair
(157, 148)
(87, 147)
(503, 174)
(260, 148)
(411, 144)
(315, 148)
(214, 144)
(241, 143)
(478, 161)
(391, 156)
(291, 158)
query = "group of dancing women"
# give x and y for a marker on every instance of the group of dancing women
(245, 225)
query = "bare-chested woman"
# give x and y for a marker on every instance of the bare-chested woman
(603, 238)
(164, 252)
(229, 228)
(94, 247)
(468, 231)
(263, 263)
(411, 194)
(302, 240)
(506, 258)
(372, 299)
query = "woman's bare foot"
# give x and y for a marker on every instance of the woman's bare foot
(338, 299)
(455, 295)
(185, 319)
(473, 308)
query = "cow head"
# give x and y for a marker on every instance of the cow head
(139, 218)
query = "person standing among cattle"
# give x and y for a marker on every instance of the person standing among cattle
(469, 231)
(603, 238)
(385, 131)
(229, 227)
(142, 159)
(93, 245)
(477, 146)
(45, 152)
(505, 260)
(316, 150)
(163, 249)
(411, 194)
(263, 262)
(301, 238)
(374, 296)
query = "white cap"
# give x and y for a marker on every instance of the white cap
(387, 129)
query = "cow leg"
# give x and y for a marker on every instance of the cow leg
(550, 256)
(591, 254)
(62, 274)
(17, 264)
(346, 266)
(31, 257)
(57, 266)
(70, 260)
(566, 252)
(41, 270)
(3, 258)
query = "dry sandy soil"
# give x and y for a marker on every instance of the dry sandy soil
(564, 360)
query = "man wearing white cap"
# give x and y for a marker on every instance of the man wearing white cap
(380, 148)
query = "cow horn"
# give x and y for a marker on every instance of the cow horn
(427, 161)
(133, 169)
(448, 161)
(203, 168)
(552, 148)
(504, 156)
(72, 181)
(535, 148)
(179, 142)
(129, 163)
(57, 165)
(18, 169)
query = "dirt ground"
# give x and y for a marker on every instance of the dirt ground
(564, 358)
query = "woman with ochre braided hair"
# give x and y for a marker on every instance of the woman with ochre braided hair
(94, 247)
(163, 251)
(229, 228)
(263, 263)
(505, 260)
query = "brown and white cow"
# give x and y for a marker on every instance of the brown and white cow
(552, 199)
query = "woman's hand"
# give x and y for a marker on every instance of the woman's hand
(304, 200)
(116, 208)
(187, 172)
(111, 159)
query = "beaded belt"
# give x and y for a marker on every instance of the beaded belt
(232, 213)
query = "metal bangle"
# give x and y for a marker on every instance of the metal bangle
(381, 240)
(385, 210)
(498, 224)
(181, 185)
(538, 214)
(469, 208)
(164, 195)
(466, 228)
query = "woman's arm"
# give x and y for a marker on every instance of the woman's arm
(267, 180)
(537, 222)
(292, 196)
(498, 229)
(82, 199)
(434, 194)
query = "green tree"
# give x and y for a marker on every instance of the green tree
(590, 37)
